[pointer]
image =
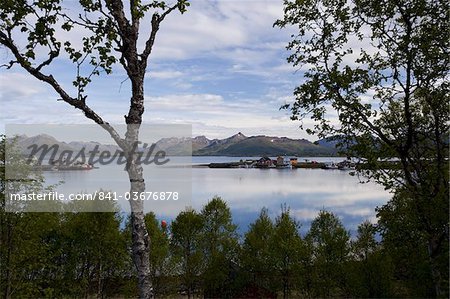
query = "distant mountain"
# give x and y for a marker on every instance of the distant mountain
(177, 146)
(332, 142)
(240, 145)
(24, 143)
(91, 145)
(200, 142)
(219, 146)
(236, 145)
(327, 142)
(198, 146)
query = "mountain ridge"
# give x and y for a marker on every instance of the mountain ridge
(235, 145)
(262, 145)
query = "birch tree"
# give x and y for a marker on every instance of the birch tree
(29, 29)
(382, 68)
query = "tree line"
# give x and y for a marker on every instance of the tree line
(381, 66)
(200, 253)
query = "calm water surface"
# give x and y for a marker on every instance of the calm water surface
(305, 191)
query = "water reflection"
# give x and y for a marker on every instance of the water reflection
(305, 191)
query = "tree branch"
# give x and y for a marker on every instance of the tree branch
(52, 56)
(9, 64)
(116, 9)
(151, 40)
(162, 17)
(156, 20)
(49, 79)
(135, 19)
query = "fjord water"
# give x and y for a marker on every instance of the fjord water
(304, 191)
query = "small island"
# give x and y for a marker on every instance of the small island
(280, 162)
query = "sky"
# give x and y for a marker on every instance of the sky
(220, 67)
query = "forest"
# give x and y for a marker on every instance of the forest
(372, 74)
(86, 255)
(201, 254)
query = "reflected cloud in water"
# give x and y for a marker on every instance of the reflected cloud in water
(247, 191)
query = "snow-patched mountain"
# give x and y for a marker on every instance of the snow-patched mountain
(26, 144)
(236, 145)
(240, 145)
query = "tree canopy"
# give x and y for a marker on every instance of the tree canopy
(36, 33)
(382, 67)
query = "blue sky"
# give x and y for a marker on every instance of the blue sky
(220, 67)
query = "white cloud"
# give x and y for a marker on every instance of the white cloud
(198, 60)
(305, 214)
(214, 116)
(163, 74)
(15, 85)
(220, 28)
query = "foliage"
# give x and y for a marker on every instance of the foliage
(256, 255)
(286, 252)
(383, 67)
(330, 244)
(371, 269)
(159, 254)
(55, 254)
(407, 244)
(220, 248)
(31, 32)
(187, 249)
(85, 255)
(97, 249)
(17, 240)
(41, 22)
(48, 255)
